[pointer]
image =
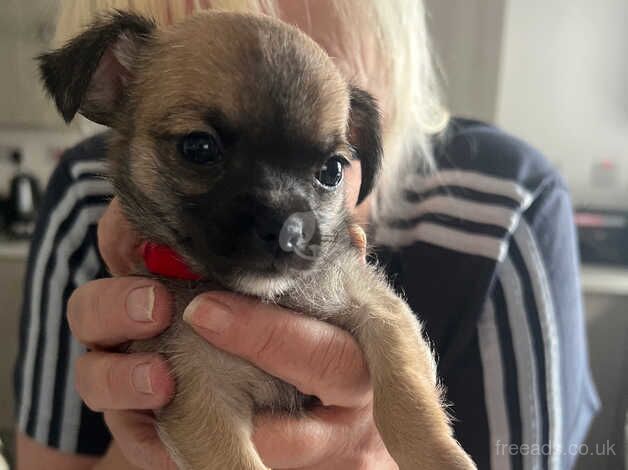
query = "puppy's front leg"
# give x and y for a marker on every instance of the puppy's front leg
(407, 405)
(207, 425)
(203, 433)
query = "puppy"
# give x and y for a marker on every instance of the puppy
(231, 133)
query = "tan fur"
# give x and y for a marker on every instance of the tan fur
(234, 64)
(212, 405)
(165, 105)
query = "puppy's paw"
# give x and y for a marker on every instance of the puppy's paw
(416, 446)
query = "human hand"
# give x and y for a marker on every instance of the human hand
(106, 313)
(320, 360)
(316, 357)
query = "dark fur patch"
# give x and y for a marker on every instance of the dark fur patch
(365, 134)
(67, 72)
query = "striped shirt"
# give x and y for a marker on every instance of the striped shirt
(483, 249)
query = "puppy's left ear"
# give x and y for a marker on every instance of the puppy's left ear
(365, 135)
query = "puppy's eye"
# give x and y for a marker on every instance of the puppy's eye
(201, 148)
(330, 174)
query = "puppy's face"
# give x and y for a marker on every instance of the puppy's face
(232, 135)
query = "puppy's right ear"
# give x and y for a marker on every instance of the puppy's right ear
(89, 74)
(365, 134)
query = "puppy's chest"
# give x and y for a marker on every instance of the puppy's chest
(228, 376)
(321, 294)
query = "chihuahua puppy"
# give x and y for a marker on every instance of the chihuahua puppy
(231, 133)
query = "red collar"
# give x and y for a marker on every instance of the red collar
(164, 261)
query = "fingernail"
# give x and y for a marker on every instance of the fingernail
(208, 314)
(140, 303)
(141, 379)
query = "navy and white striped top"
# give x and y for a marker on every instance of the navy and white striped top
(484, 250)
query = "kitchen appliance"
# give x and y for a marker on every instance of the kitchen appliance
(603, 236)
(24, 195)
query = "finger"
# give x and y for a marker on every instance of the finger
(358, 239)
(118, 243)
(109, 381)
(300, 442)
(136, 437)
(109, 312)
(316, 357)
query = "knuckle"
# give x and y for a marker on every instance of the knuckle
(95, 380)
(83, 308)
(363, 462)
(271, 342)
(92, 405)
(79, 382)
(301, 444)
(361, 458)
(333, 355)
(111, 375)
(85, 391)
(83, 302)
(105, 309)
(95, 306)
(72, 312)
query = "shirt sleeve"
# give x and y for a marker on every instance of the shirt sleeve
(520, 389)
(63, 255)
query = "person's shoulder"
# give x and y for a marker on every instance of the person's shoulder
(78, 178)
(86, 158)
(81, 169)
(469, 205)
(469, 146)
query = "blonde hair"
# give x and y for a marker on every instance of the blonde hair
(401, 64)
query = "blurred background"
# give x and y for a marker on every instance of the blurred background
(553, 72)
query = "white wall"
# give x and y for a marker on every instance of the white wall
(563, 87)
(467, 36)
(28, 119)
(554, 72)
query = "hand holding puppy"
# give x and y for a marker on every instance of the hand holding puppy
(317, 357)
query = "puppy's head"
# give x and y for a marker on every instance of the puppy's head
(231, 135)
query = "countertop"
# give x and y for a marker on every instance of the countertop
(13, 249)
(602, 279)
